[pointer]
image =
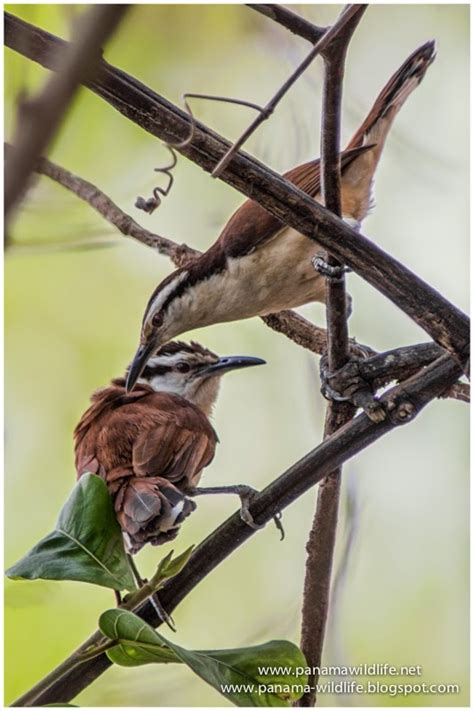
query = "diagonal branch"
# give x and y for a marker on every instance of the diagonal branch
(444, 322)
(40, 116)
(403, 402)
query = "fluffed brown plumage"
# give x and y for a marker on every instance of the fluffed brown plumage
(149, 447)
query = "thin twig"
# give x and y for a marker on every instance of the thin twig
(322, 537)
(94, 197)
(403, 402)
(293, 22)
(40, 116)
(266, 112)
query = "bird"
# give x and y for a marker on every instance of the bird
(151, 446)
(258, 265)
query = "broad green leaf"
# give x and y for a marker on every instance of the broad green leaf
(86, 545)
(141, 644)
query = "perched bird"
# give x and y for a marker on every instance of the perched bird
(150, 446)
(259, 265)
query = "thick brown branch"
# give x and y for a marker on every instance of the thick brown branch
(436, 315)
(40, 116)
(403, 402)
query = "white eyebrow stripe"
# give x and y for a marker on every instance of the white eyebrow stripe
(163, 294)
(171, 359)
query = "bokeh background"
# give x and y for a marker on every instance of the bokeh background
(72, 322)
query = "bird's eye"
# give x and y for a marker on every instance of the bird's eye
(183, 367)
(157, 319)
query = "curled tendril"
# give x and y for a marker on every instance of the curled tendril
(150, 204)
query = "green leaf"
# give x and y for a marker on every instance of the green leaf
(169, 566)
(141, 644)
(86, 545)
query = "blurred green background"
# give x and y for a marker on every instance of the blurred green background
(72, 323)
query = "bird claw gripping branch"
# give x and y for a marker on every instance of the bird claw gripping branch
(330, 272)
(348, 385)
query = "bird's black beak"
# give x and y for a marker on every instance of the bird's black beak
(228, 363)
(138, 364)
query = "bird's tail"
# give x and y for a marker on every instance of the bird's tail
(357, 178)
(150, 510)
(392, 97)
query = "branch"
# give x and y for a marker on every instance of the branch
(403, 402)
(293, 22)
(328, 38)
(444, 322)
(322, 537)
(40, 116)
(94, 197)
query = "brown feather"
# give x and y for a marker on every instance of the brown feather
(137, 441)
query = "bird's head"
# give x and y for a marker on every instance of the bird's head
(167, 314)
(192, 371)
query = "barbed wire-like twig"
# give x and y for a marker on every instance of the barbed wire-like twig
(443, 321)
(40, 116)
(403, 403)
(322, 536)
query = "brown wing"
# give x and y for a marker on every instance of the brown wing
(177, 443)
(252, 225)
(149, 434)
(92, 454)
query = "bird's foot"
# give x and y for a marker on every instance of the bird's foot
(330, 272)
(347, 385)
(246, 495)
